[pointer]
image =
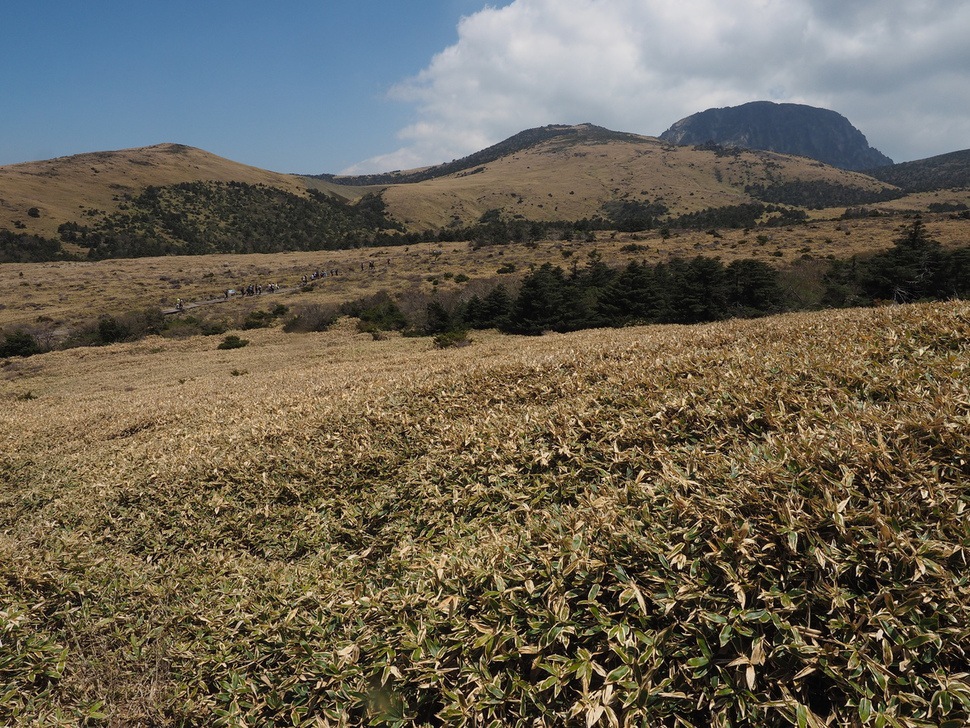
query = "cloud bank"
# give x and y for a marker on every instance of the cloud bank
(899, 70)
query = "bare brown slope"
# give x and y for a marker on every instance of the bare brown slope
(563, 180)
(62, 189)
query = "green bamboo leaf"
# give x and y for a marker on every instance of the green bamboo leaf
(618, 674)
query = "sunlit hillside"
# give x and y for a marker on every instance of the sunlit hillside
(572, 178)
(68, 188)
(57, 296)
(747, 523)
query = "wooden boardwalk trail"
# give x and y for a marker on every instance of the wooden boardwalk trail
(187, 305)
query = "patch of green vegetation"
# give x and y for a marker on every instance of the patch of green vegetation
(24, 248)
(257, 319)
(232, 341)
(197, 218)
(819, 194)
(376, 313)
(311, 318)
(19, 343)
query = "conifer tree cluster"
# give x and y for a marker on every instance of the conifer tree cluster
(597, 295)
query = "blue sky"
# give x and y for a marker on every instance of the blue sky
(292, 86)
(370, 85)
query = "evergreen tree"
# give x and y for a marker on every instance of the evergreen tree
(911, 271)
(630, 298)
(752, 288)
(695, 290)
(439, 319)
(542, 303)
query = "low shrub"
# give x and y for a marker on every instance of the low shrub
(451, 339)
(311, 318)
(232, 341)
(19, 343)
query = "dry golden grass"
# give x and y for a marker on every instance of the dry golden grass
(551, 181)
(760, 522)
(556, 181)
(63, 188)
(64, 294)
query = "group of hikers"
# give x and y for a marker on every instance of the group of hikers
(253, 289)
(317, 274)
(256, 289)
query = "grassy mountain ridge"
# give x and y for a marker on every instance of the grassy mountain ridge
(944, 171)
(567, 134)
(562, 178)
(66, 188)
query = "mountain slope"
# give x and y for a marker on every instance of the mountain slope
(68, 188)
(935, 173)
(572, 176)
(516, 143)
(787, 128)
(352, 531)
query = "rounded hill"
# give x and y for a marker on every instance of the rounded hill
(798, 129)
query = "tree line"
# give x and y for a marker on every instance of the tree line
(703, 289)
(681, 291)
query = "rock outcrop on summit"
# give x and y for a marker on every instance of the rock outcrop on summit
(806, 131)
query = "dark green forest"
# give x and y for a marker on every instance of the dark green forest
(198, 218)
(24, 248)
(702, 289)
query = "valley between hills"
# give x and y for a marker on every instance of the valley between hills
(721, 482)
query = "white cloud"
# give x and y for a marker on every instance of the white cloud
(898, 69)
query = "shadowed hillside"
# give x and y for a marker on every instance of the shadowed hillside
(945, 171)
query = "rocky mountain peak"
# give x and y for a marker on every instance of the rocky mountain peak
(797, 129)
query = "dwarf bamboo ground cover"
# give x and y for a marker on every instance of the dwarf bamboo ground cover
(744, 523)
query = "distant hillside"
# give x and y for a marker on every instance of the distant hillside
(936, 173)
(581, 172)
(170, 198)
(173, 199)
(37, 197)
(199, 218)
(786, 128)
(517, 143)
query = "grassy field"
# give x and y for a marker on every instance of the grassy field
(745, 523)
(61, 295)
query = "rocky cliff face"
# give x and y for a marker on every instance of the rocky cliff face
(786, 128)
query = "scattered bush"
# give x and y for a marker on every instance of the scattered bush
(178, 327)
(232, 341)
(311, 318)
(376, 313)
(452, 339)
(262, 319)
(19, 343)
